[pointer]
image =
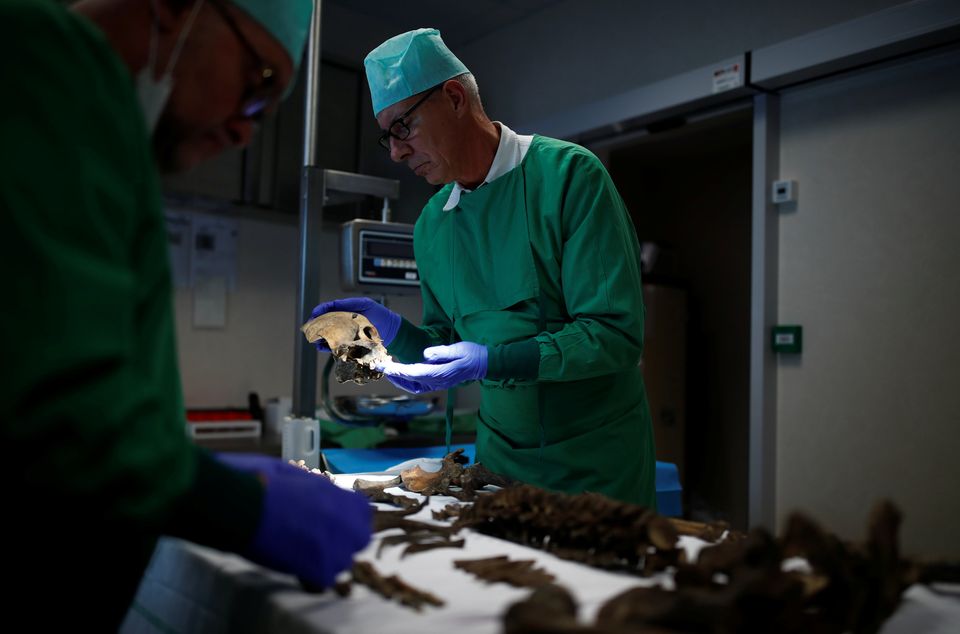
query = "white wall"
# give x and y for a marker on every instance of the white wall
(869, 266)
(254, 352)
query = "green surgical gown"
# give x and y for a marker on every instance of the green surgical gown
(96, 460)
(542, 265)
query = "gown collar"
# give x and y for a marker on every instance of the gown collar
(510, 152)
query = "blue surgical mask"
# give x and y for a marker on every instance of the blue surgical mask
(152, 92)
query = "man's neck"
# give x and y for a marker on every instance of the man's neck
(478, 152)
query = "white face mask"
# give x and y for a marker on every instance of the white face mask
(154, 93)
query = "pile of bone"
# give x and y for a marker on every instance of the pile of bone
(746, 585)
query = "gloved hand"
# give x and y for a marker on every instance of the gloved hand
(384, 320)
(309, 526)
(445, 367)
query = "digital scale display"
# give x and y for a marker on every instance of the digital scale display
(387, 258)
(378, 256)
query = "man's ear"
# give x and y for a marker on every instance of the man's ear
(456, 95)
(171, 14)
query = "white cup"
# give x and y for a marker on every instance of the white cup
(300, 440)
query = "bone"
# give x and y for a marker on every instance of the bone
(448, 512)
(393, 587)
(354, 342)
(519, 573)
(376, 492)
(709, 532)
(588, 528)
(453, 479)
(419, 547)
(434, 483)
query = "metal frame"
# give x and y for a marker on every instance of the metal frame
(311, 191)
(341, 187)
(873, 38)
(765, 239)
(305, 357)
(639, 106)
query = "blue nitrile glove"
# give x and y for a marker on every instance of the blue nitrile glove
(407, 385)
(384, 320)
(309, 526)
(446, 366)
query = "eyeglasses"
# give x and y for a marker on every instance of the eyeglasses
(261, 95)
(399, 129)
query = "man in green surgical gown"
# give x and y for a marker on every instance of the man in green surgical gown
(530, 273)
(96, 462)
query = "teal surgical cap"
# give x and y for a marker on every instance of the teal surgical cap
(288, 21)
(408, 64)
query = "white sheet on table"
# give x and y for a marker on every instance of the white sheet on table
(198, 589)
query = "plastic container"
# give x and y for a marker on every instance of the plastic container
(300, 440)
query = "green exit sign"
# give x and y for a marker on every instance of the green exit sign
(787, 339)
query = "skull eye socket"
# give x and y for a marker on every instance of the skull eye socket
(368, 332)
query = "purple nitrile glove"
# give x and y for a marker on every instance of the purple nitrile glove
(309, 526)
(384, 320)
(446, 366)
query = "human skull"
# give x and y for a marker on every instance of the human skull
(354, 342)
